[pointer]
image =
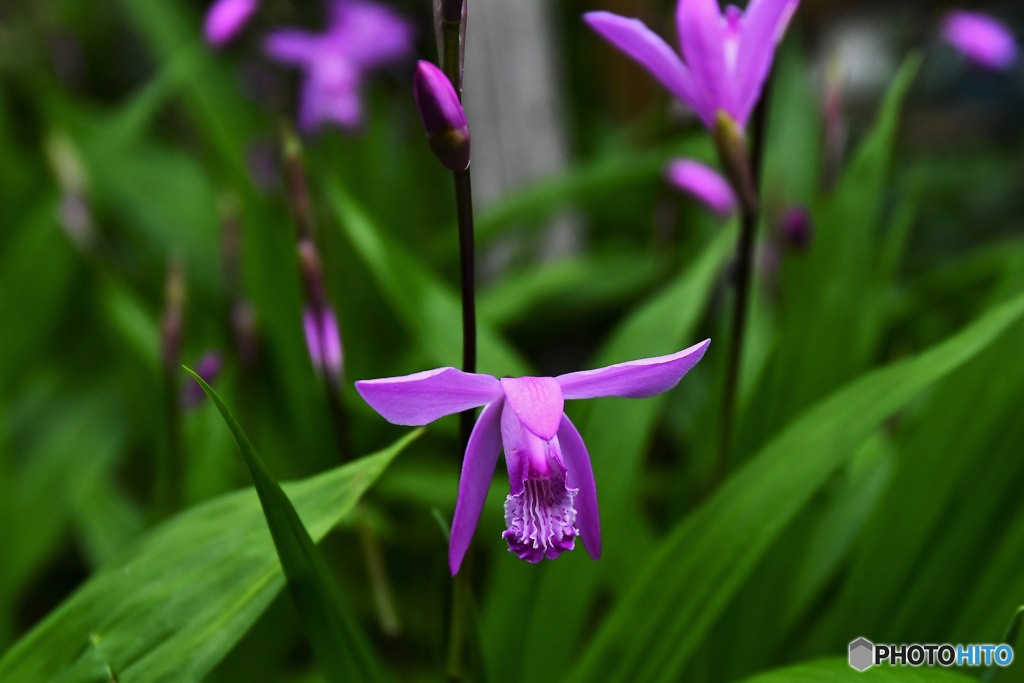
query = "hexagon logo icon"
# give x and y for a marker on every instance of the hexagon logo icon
(862, 654)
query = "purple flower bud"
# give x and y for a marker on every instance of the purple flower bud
(983, 39)
(208, 367)
(796, 228)
(226, 18)
(704, 184)
(324, 343)
(442, 116)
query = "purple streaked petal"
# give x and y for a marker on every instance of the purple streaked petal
(635, 379)
(226, 18)
(764, 25)
(292, 47)
(981, 38)
(526, 454)
(477, 471)
(703, 183)
(702, 41)
(645, 47)
(426, 396)
(537, 402)
(580, 476)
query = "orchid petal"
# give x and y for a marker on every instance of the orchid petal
(426, 396)
(645, 47)
(537, 402)
(635, 379)
(580, 475)
(477, 471)
(370, 34)
(292, 47)
(982, 38)
(764, 24)
(704, 183)
(702, 39)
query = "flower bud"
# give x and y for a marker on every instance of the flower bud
(796, 228)
(208, 367)
(732, 150)
(442, 116)
(226, 18)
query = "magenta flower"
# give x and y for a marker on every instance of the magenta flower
(725, 58)
(361, 36)
(703, 183)
(553, 498)
(983, 39)
(226, 18)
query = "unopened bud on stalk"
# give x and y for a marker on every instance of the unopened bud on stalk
(319, 322)
(442, 116)
(796, 228)
(208, 367)
(732, 150)
(324, 343)
(172, 327)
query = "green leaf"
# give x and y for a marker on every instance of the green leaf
(181, 598)
(839, 670)
(429, 309)
(818, 286)
(340, 646)
(699, 567)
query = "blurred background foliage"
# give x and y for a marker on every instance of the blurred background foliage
(875, 485)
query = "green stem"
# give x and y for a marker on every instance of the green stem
(751, 214)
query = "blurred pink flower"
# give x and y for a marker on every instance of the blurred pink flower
(703, 183)
(725, 58)
(226, 18)
(360, 36)
(982, 39)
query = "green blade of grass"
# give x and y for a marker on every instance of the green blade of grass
(699, 567)
(175, 603)
(340, 646)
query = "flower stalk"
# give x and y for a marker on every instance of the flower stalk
(323, 341)
(745, 172)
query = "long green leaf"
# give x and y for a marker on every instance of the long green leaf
(340, 646)
(668, 610)
(839, 671)
(181, 598)
(818, 287)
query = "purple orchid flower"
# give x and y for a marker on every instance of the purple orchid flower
(226, 18)
(703, 183)
(725, 58)
(983, 39)
(361, 36)
(553, 498)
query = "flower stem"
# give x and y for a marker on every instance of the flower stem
(464, 209)
(749, 217)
